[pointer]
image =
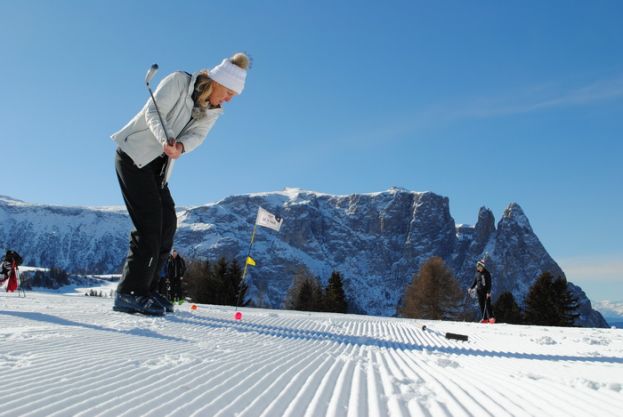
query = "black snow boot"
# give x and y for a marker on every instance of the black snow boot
(128, 303)
(164, 302)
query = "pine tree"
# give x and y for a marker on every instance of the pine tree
(550, 303)
(305, 294)
(540, 306)
(507, 310)
(335, 299)
(567, 303)
(234, 284)
(221, 288)
(433, 294)
(199, 282)
(53, 278)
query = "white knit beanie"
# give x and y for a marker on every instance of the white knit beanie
(229, 75)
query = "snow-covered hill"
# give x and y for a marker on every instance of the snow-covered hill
(612, 312)
(378, 241)
(70, 355)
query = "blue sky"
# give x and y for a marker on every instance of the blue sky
(485, 102)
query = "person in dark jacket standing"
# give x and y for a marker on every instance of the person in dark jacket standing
(190, 104)
(482, 286)
(176, 267)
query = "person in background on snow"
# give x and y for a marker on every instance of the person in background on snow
(190, 105)
(6, 268)
(10, 263)
(176, 267)
(482, 286)
(10, 259)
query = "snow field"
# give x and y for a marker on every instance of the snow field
(64, 355)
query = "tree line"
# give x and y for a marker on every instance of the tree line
(218, 283)
(221, 283)
(308, 294)
(434, 293)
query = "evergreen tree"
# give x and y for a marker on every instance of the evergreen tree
(58, 277)
(507, 310)
(53, 278)
(234, 284)
(567, 303)
(433, 294)
(335, 299)
(550, 303)
(214, 283)
(221, 286)
(305, 294)
(305, 300)
(199, 282)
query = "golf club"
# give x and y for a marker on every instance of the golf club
(447, 335)
(167, 167)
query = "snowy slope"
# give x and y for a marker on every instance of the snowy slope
(70, 355)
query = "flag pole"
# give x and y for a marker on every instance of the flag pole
(246, 264)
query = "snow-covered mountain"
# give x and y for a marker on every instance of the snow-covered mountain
(77, 239)
(377, 241)
(612, 312)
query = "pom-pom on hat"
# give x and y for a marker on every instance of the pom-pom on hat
(229, 75)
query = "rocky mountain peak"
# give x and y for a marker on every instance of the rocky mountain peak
(378, 241)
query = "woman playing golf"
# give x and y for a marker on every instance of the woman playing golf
(174, 121)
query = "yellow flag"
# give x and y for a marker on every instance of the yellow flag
(250, 261)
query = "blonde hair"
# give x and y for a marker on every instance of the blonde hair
(203, 83)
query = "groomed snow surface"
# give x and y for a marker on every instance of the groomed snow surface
(71, 355)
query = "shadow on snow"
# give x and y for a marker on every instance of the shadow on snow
(47, 318)
(315, 335)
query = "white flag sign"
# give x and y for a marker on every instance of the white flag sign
(266, 219)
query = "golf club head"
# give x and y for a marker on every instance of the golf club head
(150, 73)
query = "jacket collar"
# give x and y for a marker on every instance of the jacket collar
(191, 87)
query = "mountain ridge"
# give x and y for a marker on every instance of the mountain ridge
(376, 240)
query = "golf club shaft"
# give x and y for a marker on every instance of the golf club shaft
(170, 141)
(150, 74)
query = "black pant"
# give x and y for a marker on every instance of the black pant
(152, 211)
(485, 305)
(176, 288)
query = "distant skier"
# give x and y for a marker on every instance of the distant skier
(10, 263)
(10, 259)
(189, 105)
(482, 286)
(6, 269)
(176, 267)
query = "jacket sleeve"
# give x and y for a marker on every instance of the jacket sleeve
(475, 281)
(166, 95)
(487, 282)
(182, 266)
(197, 133)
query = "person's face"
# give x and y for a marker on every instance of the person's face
(220, 94)
(479, 268)
(174, 254)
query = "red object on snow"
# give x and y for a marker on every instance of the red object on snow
(238, 315)
(12, 284)
(193, 307)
